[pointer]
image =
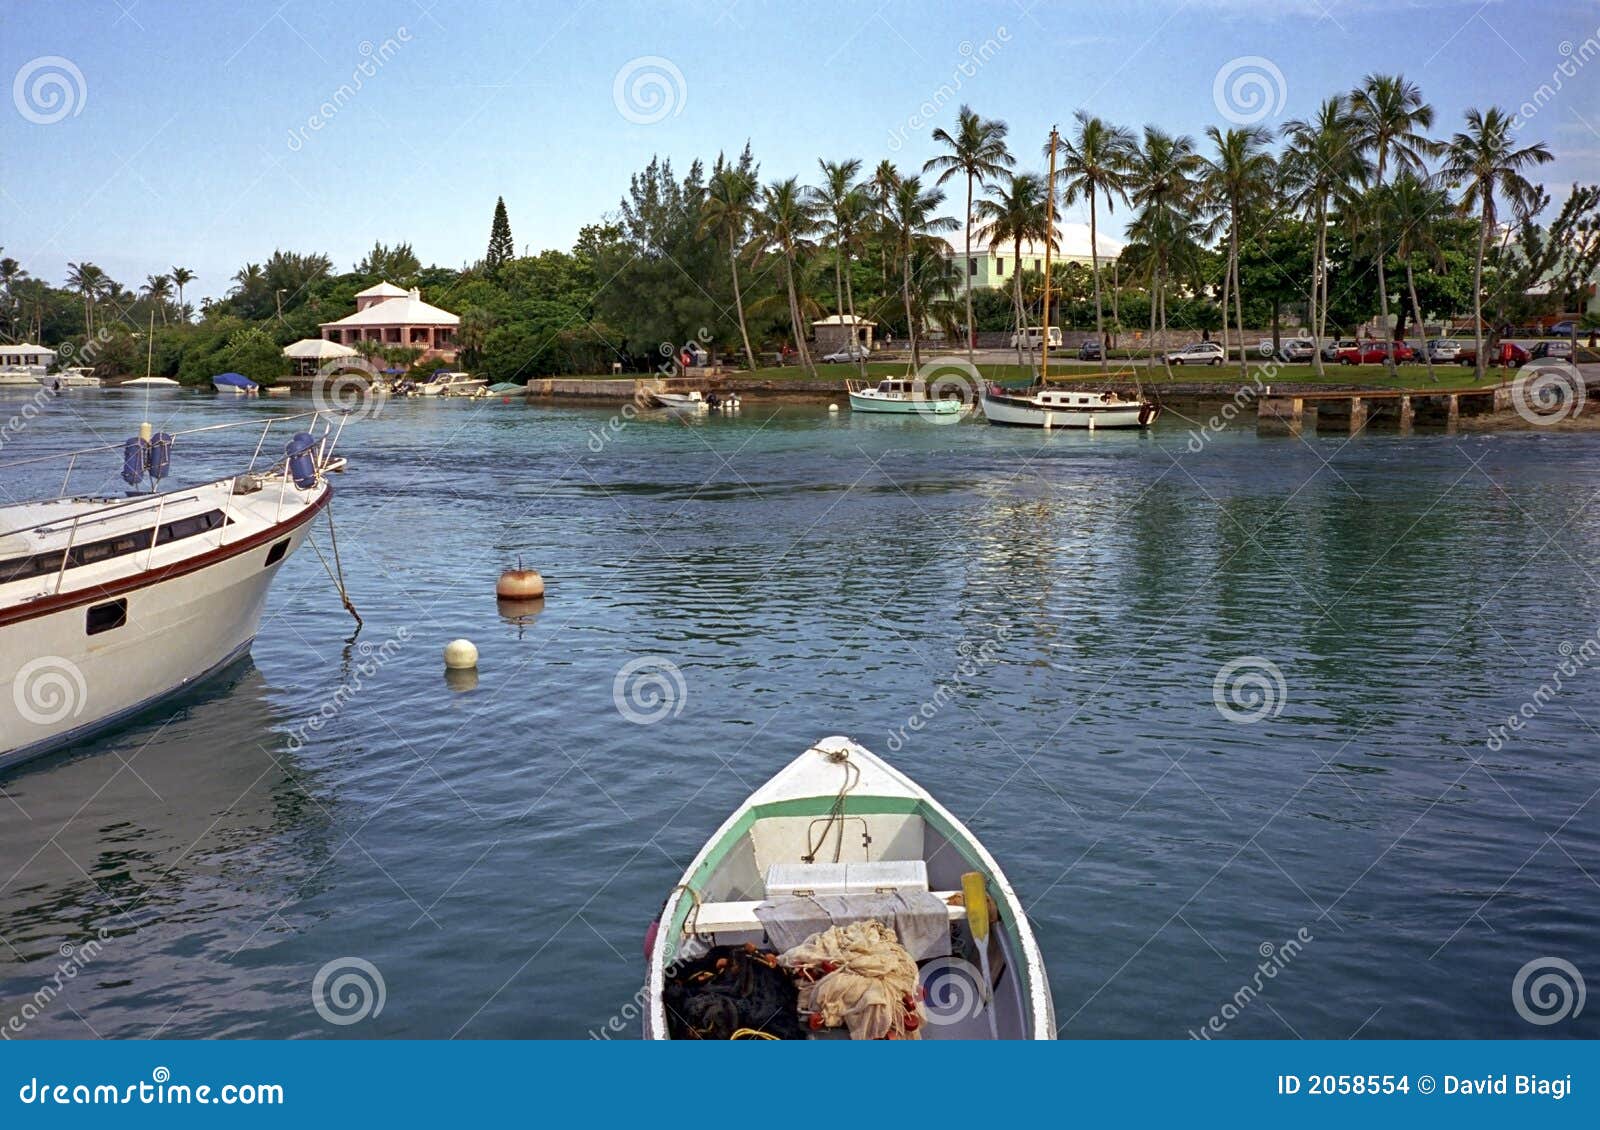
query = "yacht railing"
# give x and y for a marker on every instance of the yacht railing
(328, 438)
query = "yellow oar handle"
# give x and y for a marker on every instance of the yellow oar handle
(975, 895)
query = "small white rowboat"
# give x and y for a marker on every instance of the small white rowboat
(840, 829)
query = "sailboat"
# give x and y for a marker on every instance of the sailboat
(1041, 406)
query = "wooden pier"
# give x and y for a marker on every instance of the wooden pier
(1351, 412)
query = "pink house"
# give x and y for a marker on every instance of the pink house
(391, 316)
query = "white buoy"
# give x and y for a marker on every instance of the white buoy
(833, 408)
(460, 655)
(519, 584)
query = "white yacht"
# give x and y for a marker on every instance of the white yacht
(1066, 408)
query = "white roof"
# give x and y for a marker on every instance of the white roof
(844, 320)
(23, 347)
(409, 310)
(384, 289)
(1073, 243)
(317, 349)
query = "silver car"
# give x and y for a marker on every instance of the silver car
(1200, 353)
(1443, 349)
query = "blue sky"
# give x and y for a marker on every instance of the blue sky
(189, 141)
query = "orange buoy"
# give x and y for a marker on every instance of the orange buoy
(519, 584)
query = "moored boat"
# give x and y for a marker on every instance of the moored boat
(110, 604)
(444, 383)
(1066, 408)
(77, 376)
(690, 401)
(153, 383)
(842, 853)
(236, 384)
(900, 396)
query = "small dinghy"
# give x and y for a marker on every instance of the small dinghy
(841, 900)
(690, 401)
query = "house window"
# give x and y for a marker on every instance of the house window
(1000, 265)
(972, 268)
(1036, 264)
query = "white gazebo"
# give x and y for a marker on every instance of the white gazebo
(311, 353)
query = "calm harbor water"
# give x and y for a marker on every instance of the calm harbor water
(1366, 611)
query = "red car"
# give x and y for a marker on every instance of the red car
(1376, 353)
(1507, 353)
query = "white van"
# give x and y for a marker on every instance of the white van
(1033, 336)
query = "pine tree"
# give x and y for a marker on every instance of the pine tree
(500, 248)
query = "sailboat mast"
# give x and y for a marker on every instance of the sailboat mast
(1049, 238)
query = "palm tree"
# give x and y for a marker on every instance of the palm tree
(182, 277)
(89, 281)
(1483, 159)
(916, 231)
(1094, 165)
(1238, 180)
(1162, 178)
(158, 289)
(787, 223)
(1389, 115)
(728, 212)
(977, 151)
(1321, 159)
(1016, 212)
(880, 191)
(843, 205)
(1414, 208)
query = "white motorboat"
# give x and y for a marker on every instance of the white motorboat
(690, 401)
(235, 384)
(1066, 408)
(843, 842)
(902, 396)
(78, 376)
(21, 376)
(152, 383)
(110, 604)
(452, 384)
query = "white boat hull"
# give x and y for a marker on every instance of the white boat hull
(185, 621)
(863, 402)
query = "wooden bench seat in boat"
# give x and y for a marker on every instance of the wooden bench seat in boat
(740, 917)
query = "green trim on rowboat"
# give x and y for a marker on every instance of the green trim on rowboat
(821, 806)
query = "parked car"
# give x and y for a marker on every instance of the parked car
(1443, 349)
(850, 354)
(1557, 348)
(1330, 351)
(1289, 348)
(1200, 353)
(1090, 350)
(1033, 337)
(1507, 353)
(1560, 329)
(1376, 353)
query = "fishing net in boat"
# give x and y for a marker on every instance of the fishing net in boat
(859, 976)
(732, 992)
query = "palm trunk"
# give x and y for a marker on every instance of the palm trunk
(1416, 312)
(1227, 297)
(1383, 309)
(1162, 291)
(1238, 298)
(1016, 297)
(1316, 314)
(1477, 296)
(911, 323)
(1155, 277)
(738, 305)
(966, 281)
(1094, 259)
(794, 314)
